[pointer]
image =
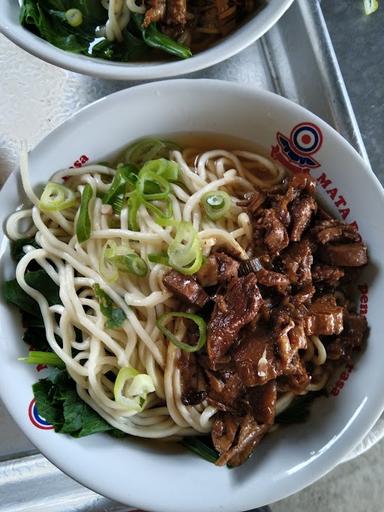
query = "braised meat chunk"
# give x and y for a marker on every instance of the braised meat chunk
(242, 435)
(234, 310)
(324, 317)
(186, 288)
(344, 255)
(218, 268)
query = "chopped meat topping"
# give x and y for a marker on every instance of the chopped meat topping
(301, 215)
(327, 274)
(262, 401)
(155, 12)
(218, 268)
(276, 236)
(273, 279)
(255, 358)
(344, 255)
(297, 261)
(324, 317)
(233, 310)
(185, 288)
(247, 435)
(176, 12)
(351, 338)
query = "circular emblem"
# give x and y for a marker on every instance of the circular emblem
(306, 138)
(35, 417)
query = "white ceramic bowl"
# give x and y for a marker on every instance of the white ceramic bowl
(247, 34)
(287, 460)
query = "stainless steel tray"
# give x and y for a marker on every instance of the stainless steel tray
(295, 59)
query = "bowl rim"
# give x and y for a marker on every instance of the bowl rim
(357, 428)
(229, 46)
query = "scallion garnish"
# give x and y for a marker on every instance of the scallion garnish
(116, 258)
(370, 6)
(131, 389)
(56, 197)
(216, 204)
(200, 322)
(184, 252)
(49, 358)
(83, 224)
(123, 183)
(148, 149)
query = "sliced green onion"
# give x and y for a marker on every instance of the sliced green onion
(370, 6)
(74, 17)
(131, 263)
(216, 204)
(131, 389)
(115, 258)
(107, 267)
(161, 257)
(162, 217)
(184, 252)
(48, 358)
(202, 326)
(56, 197)
(123, 182)
(83, 225)
(134, 203)
(152, 187)
(148, 149)
(167, 169)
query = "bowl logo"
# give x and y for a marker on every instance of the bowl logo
(35, 418)
(295, 152)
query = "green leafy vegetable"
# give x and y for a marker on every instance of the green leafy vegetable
(72, 26)
(200, 446)
(115, 316)
(299, 410)
(156, 39)
(59, 404)
(17, 247)
(40, 280)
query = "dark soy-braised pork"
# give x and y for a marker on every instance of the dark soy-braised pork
(186, 288)
(267, 311)
(233, 310)
(218, 268)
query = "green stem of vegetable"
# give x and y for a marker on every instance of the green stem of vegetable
(202, 326)
(200, 448)
(156, 39)
(48, 358)
(83, 225)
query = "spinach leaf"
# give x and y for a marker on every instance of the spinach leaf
(114, 315)
(58, 403)
(46, 18)
(40, 280)
(299, 410)
(17, 247)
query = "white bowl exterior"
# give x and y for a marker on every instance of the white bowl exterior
(243, 37)
(287, 460)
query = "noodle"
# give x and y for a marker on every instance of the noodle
(75, 268)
